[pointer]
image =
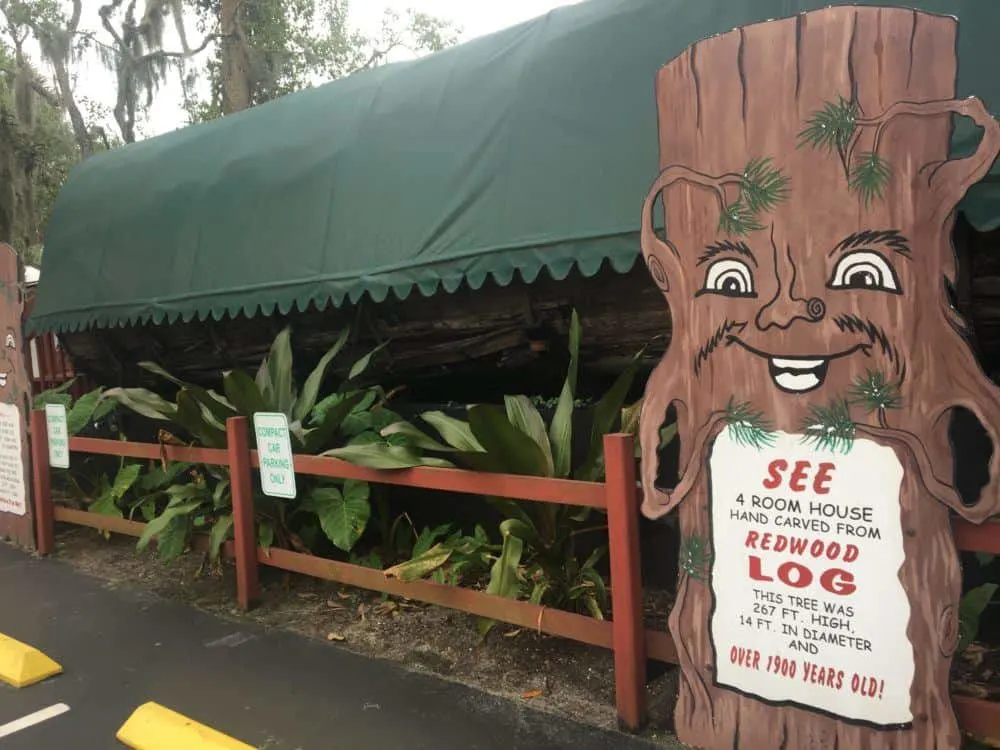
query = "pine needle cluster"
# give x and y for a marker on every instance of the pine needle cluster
(762, 188)
(747, 427)
(832, 129)
(830, 427)
(875, 393)
(695, 557)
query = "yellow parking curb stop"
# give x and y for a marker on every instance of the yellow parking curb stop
(153, 727)
(22, 665)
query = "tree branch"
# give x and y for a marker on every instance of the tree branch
(51, 99)
(191, 53)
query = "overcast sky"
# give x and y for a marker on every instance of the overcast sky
(473, 17)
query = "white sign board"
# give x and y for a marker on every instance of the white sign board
(274, 446)
(55, 422)
(12, 493)
(809, 607)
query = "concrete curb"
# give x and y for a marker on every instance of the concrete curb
(154, 727)
(22, 665)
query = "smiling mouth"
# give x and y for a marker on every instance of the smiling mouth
(797, 374)
(3, 379)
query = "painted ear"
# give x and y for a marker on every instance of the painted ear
(952, 179)
(662, 258)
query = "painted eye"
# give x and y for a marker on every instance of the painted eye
(864, 269)
(731, 278)
(9, 341)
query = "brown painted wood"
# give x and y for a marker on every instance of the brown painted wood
(626, 581)
(15, 390)
(154, 451)
(244, 518)
(41, 474)
(749, 94)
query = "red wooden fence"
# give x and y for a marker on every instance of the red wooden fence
(47, 361)
(625, 634)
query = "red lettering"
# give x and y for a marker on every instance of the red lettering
(803, 576)
(755, 572)
(774, 470)
(850, 553)
(752, 539)
(832, 550)
(798, 546)
(765, 541)
(797, 481)
(838, 581)
(821, 484)
(816, 549)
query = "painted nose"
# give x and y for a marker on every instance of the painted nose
(785, 309)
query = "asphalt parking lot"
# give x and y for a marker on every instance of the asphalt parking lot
(121, 648)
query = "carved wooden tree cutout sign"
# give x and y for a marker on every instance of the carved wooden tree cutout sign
(809, 199)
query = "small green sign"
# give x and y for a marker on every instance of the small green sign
(55, 422)
(277, 472)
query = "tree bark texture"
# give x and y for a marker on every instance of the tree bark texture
(235, 63)
(15, 400)
(835, 280)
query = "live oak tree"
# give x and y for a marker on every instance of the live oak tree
(809, 200)
(269, 48)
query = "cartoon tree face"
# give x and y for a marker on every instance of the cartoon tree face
(808, 200)
(807, 245)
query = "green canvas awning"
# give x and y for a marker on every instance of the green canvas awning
(531, 148)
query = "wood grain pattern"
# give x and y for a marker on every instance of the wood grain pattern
(15, 388)
(748, 94)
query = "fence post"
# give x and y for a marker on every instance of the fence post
(42, 484)
(628, 629)
(244, 527)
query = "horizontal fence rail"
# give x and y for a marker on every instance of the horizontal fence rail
(619, 495)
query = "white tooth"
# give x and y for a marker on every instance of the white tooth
(797, 364)
(802, 382)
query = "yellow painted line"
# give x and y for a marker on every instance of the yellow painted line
(22, 665)
(154, 727)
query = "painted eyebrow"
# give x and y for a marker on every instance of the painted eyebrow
(726, 246)
(890, 239)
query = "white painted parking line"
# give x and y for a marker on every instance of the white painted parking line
(31, 719)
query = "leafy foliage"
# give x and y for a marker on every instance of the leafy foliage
(762, 188)
(870, 174)
(830, 427)
(832, 127)
(970, 612)
(696, 557)
(323, 508)
(536, 557)
(278, 47)
(747, 427)
(875, 393)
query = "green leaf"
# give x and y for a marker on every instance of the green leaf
(517, 453)
(198, 422)
(970, 610)
(832, 127)
(606, 413)
(279, 369)
(503, 575)
(428, 537)
(170, 543)
(307, 399)
(263, 382)
(561, 428)
(362, 364)
(420, 566)
(81, 412)
(157, 370)
(126, 477)
(222, 497)
(525, 417)
(217, 536)
(415, 437)
(453, 431)
(143, 402)
(105, 505)
(379, 456)
(319, 437)
(985, 558)
(265, 535)
(243, 393)
(155, 527)
(55, 395)
(343, 517)
(219, 408)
